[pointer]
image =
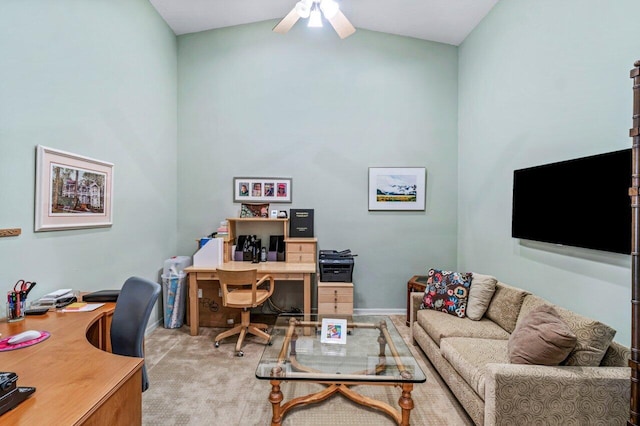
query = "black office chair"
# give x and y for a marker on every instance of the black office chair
(130, 319)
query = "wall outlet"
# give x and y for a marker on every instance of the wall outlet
(199, 293)
(219, 292)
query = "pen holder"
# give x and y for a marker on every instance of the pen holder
(15, 310)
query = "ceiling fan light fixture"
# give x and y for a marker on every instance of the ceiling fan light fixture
(303, 8)
(329, 8)
(315, 19)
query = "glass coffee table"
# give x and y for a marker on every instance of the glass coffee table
(372, 353)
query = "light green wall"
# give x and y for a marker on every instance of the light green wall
(544, 81)
(322, 110)
(97, 79)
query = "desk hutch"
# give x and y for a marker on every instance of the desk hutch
(299, 264)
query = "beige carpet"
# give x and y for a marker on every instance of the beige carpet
(194, 383)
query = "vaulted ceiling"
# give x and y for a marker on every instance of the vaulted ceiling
(445, 21)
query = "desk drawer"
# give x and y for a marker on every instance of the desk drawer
(291, 276)
(207, 276)
(298, 247)
(297, 257)
(335, 308)
(336, 295)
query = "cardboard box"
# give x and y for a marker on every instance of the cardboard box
(211, 311)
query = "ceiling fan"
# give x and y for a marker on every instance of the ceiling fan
(312, 9)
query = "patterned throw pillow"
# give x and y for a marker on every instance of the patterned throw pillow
(447, 291)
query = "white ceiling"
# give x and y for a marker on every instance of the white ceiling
(445, 21)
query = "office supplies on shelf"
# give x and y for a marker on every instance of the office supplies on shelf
(10, 394)
(58, 299)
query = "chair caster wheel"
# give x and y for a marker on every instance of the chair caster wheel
(240, 353)
(216, 344)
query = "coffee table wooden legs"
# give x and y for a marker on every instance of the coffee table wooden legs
(401, 417)
(406, 403)
(275, 398)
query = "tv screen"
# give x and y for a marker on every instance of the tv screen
(581, 203)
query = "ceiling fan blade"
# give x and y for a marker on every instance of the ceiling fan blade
(287, 22)
(341, 24)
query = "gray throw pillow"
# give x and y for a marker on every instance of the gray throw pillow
(480, 294)
(541, 338)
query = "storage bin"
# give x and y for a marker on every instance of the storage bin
(174, 296)
(179, 262)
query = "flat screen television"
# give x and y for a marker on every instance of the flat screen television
(581, 203)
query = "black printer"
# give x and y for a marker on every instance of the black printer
(336, 266)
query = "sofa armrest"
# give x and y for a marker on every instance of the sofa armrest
(535, 394)
(416, 301)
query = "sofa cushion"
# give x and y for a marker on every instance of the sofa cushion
(505, 306)
(593, 337)
(530, 302)
(469, 357)
(541, 338)
(437, 326)
(480, 294)
(447, 291)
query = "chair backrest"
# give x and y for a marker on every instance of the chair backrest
(130, 319)
(234, 279)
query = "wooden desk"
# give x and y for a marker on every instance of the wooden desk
(76, 383)
(287, 271)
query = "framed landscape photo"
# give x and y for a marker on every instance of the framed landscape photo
(72, 191)
(397, 188)
(256, 190)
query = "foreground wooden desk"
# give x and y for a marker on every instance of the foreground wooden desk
(76, 383)
(287, 271)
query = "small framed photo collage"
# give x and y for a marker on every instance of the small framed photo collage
(261, 190)
(333, 331)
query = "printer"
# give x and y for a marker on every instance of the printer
(336, 266)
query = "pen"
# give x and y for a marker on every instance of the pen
(11, 304)
(17, 304)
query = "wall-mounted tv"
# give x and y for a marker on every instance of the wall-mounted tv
(581, 203)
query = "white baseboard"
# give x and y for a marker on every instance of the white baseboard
(380, 311)
(153, 325)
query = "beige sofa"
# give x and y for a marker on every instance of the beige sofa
(472, 357)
